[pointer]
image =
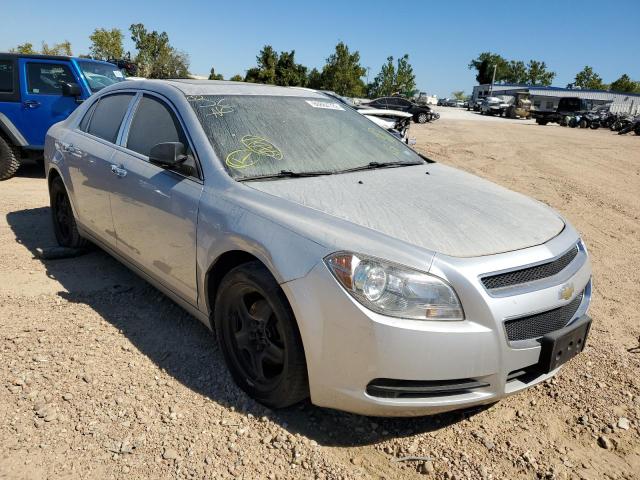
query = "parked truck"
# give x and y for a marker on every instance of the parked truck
(568, 107)
(37, 91)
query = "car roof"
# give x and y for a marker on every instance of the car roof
(49, 57)
(219, 87)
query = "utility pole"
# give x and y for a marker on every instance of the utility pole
(493, 79)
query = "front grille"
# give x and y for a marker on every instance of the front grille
(535, 326)
(392, 388)
(530, 274)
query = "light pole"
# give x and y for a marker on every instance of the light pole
(493, 79)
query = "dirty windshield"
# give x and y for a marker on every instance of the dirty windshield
(258, 135)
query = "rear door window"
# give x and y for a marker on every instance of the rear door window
(107, 117)
(6, 76)
(47, 78)
(153, 123)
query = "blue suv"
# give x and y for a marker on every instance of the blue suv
(37, 91)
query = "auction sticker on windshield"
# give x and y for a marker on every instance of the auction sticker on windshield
(327, 105)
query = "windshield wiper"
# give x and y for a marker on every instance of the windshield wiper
(374, 165)
(286, 174)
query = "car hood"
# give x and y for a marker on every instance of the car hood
(433, 206)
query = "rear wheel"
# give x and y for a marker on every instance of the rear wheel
(584, 123)
(9, 159)
(64, 223)
(259, 337)
(422, 117)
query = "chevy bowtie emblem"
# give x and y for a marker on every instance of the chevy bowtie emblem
(566, 291)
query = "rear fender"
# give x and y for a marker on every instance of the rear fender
(11, 131)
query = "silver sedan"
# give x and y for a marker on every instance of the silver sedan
(332, 260)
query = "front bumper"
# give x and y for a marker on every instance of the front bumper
(348, 346)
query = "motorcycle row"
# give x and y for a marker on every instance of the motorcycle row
(617, 122)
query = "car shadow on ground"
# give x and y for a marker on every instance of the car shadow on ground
(186, 350)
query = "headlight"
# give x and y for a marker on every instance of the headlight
(394, 290)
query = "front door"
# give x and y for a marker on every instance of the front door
(155, 210)
(42, 101)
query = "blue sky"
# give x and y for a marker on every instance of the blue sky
(439, 38)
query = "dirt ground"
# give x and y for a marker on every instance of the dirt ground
(101, 376)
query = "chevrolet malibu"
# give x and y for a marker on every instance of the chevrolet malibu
(332, 261)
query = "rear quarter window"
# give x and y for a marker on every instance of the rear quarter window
(107, 116)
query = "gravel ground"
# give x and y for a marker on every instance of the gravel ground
(101, 376)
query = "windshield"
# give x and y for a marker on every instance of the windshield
(258, 135)
(100, 75)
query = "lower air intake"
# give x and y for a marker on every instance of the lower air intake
(391, 388)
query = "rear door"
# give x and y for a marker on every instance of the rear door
(155, 211)
(42, 101)
(88, 151)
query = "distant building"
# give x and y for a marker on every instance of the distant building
(546, 98)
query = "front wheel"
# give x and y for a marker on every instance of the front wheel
(259, 337)
(9, 159)
(422, 118)
(64, 223)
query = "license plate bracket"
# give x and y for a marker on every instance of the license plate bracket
(562, 345)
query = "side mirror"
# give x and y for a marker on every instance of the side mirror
(168, 154)
(71, 89)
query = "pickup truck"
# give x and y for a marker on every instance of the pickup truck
(567, 107)
(37, 91)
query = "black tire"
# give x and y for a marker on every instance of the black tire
(64, 223)
(584, 123)
(259, 337)
(541, 121)
(9, 159)
(422, 117)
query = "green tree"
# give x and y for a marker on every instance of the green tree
(516, 72)
(459, 95)
(625, 84)
(277, 69)
(63, 48)
(394, 79)
(484, 65)
(383, 84)
(215, 76)
(106, 44)
(405, 78)
(314, 79)
(537, 73)
(512, 71)
(342, 73)
(265, 71)
(24, 48)
(587, 78)
(156, 58)
(288, 72)
(237, 78)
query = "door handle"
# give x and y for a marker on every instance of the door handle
(118, 171)
(31, 103)
(71, 149)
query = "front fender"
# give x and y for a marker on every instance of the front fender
(225, 226)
